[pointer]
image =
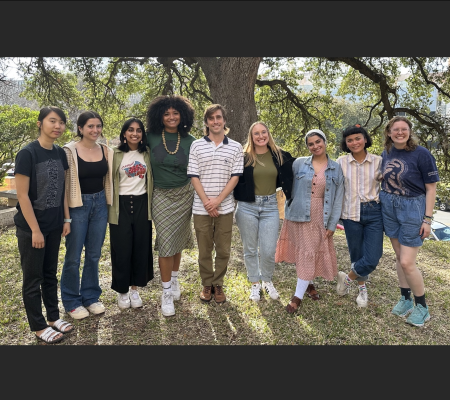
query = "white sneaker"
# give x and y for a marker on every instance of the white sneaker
(362, 299)
(176, 292)
(79, 313)
(255, 292)
(135, 299)
(96, 308)
(123, 300)
(341, 288)
(167, 307)
(268, 287)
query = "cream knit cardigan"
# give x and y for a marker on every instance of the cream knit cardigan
(73, 190)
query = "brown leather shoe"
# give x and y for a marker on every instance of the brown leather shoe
(219, 295)
(311, 292)
(295, 300)
(205, 294)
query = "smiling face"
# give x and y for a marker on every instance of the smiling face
(133, 135)
(356, 143)
(216, 123)
(171, 120)
(92, 129)
(316, 145)
(399, 134)
(260, 138)
(52, 126)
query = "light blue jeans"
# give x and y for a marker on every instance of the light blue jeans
(88, 230)
(258, 224)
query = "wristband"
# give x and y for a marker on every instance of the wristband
(69, 220)
(426, 222)
(427, 216)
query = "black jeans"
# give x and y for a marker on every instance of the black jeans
(39, 267)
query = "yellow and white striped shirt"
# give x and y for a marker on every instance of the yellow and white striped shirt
(361, 183)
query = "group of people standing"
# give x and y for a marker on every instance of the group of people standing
(164, 176)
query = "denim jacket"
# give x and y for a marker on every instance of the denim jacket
(298, 208)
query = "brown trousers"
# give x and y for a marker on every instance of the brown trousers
(213, 233)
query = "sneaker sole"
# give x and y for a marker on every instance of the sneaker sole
(255, 300)
(136, 306)
(405, 314)
(167, 314)
(79, 317)
(419, 325)
(362, 304)
(124, 308)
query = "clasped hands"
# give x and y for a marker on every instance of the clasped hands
(212, 206)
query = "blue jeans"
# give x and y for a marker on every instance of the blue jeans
(365, 239)
(258, 224)
(88, 229)
(402, 217)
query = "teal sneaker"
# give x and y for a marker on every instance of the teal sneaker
(403, 307)
(419, 316)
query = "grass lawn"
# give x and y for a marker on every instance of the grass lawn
(333, 320)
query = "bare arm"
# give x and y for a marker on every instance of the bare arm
(66, 225)
(430, 199)
(22, 187)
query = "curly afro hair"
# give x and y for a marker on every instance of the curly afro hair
(160, 104)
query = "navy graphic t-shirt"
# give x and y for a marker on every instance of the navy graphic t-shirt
(406, 172)
(45, 168)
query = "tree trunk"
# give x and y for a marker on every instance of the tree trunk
(231, 83)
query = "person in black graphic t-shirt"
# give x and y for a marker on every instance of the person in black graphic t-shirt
(42, 218)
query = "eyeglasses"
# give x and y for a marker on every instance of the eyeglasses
(397, 130)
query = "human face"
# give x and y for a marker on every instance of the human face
(133, 135)
(92, 129)
(171, 120)
(356, 143)
(316, 145)
(260, 137)
(399, 133)
(216, 123)
(52, 126)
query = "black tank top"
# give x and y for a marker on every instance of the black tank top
(91, 174)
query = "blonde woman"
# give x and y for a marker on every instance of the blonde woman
(266, 167)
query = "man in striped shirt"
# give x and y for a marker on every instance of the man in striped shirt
(215, 164)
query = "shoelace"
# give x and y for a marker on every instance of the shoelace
(270, 288)
(255, 290)
(135, 295)
(124, 296)
(166, 298)
(219, 290)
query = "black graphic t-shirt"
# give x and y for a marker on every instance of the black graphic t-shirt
(169, 170)
(406, 172)
(45, 168)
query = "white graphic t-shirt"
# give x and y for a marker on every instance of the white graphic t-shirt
(132, 172)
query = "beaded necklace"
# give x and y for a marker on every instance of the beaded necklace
(165, 146)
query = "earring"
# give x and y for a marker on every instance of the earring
(124, 140)
(185, 126)
(141, 141)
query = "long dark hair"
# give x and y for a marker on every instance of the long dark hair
(47, 110)
(160, 104)
(84, 117)
(142, 147)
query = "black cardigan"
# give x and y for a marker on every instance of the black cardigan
(245, 189)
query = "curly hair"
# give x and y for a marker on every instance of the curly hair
(124, 146)
(160, 104)
(351, 130)
(412, 141)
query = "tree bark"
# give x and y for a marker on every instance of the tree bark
(231, 83)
